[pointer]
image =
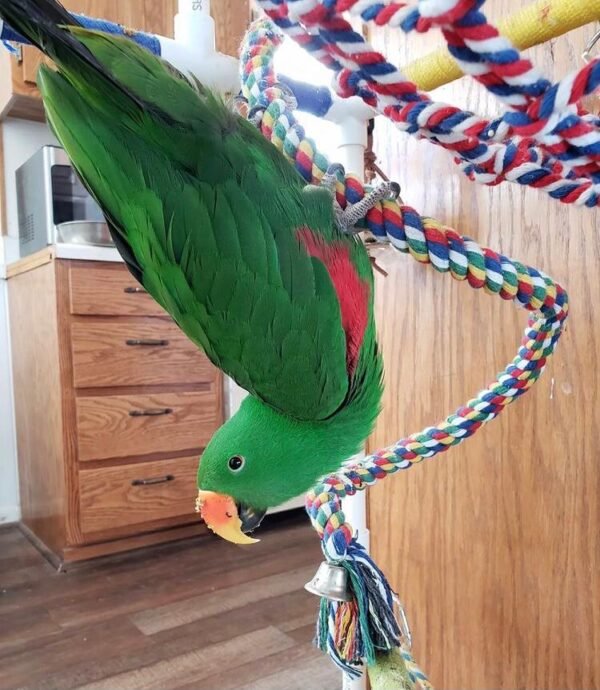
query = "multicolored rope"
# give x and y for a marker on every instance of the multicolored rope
(352, 631)
(148, 41)
(476, 45)
(563, 162)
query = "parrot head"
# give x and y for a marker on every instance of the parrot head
(259, 459)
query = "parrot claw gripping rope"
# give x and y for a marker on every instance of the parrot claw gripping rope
(348, 218)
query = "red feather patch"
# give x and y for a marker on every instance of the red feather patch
(352, 292)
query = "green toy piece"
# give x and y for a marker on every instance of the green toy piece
(223, 232)
(390, 673)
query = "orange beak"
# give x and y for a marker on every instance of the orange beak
(221, 516)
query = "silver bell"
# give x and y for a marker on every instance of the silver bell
(330, 581)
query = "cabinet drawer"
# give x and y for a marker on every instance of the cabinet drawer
(135, 351)
(116, 426)
(108, 290)
(113, 497)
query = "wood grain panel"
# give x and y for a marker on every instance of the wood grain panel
(31, 61)
(151, 534)
(108, 289)
(34, 343)
(30, 262)
(93, 640)
(101, 356)
(231, 21)
(19, 96)
(155, 16)
(493, 546)
(109, 499)
(107, 429)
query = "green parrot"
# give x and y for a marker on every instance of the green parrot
(227, 237)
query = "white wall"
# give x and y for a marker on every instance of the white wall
(21, 139)
(9, 488)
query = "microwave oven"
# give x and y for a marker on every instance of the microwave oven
(50, 196)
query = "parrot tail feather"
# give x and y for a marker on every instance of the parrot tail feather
(50, 27)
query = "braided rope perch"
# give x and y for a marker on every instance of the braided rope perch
(427, 241)
(549, 143)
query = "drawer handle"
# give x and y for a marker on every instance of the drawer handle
(135, 291)
(147, 342)
(153, 480)
(154, 412)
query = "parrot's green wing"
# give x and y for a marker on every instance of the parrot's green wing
(207, 215)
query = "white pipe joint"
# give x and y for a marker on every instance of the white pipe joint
(344, 108)
(193, 51)
(194, 26)
(352, 145)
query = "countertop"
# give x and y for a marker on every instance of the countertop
(81, 252)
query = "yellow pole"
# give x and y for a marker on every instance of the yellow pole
(534, 24)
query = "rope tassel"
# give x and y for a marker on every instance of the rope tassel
(353, 632)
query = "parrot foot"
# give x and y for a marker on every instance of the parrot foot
(352, 214)
(255, 115)
(330, 178)
(239, 105)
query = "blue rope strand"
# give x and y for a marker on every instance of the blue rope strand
(148, 41)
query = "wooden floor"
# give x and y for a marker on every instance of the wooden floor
(198, 614)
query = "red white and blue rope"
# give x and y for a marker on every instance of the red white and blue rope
(561, 157)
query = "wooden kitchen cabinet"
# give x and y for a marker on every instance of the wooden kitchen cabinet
(113, 408)
(19, 96)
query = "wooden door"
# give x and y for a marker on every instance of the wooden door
(494, 547)
(154, 16)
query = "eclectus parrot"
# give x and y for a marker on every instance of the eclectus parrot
(227, 237)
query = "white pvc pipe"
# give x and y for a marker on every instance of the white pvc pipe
(194, 26)
(193, 50)
(353, 108)
(352, 146)
(351, 154)
(214, 70)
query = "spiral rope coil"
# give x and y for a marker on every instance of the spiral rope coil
(427, 241)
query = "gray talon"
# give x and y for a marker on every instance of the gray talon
(352, 214)
(394, 191)
(255, 115)
(331, 177)
(287, 95)
(239, 105)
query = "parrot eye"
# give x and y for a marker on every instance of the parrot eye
(236, 463)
